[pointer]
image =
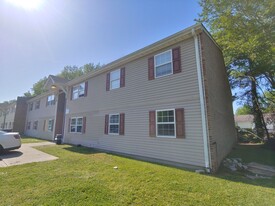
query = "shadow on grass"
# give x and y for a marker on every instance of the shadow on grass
(249, 153)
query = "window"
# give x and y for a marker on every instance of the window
(114, 124)
(37, 104)
(163, 64)
(50, 124)
(76, 125)
(50, 100)
(35, 125)
(166, 123)
(28, 125)
(78, 91)
(30, 106)
(115, 79)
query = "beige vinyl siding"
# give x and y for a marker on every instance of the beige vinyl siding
(40, 115)
(136, 99)
(219, 102)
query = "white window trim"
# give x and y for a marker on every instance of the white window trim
(115, 79)
(51, 102)
(114, 124)
(76, 125)
(35, 125)
(163, 136)
(78, 91)
(51, 125)
(155, 67)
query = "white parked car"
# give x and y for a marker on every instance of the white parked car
(9, 141)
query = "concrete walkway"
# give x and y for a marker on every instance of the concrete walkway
(26, 154)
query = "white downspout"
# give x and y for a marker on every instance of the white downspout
(202, 104)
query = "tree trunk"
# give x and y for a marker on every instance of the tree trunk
(256, 110)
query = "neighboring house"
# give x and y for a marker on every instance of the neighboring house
(169, 102)
(247, 121)
(44, 117)
(13, 115)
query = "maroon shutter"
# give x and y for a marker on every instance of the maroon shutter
(108, 82)
(86, 89)
(121, 123)
(106, 124)
(152, 123)
(176, 60)
(44, 126)
(151, 68)
(84, 125)
(180, 130)
(69, 125)
(71, 97)
(122, 77)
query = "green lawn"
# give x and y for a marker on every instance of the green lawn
(25, 139)
(83, 176)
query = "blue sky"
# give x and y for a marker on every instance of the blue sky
(39, 42)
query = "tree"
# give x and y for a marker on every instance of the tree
(245, 109)
(244, 30)
(68, 72)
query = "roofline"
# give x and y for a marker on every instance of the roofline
(168, 41)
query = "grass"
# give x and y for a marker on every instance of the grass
(25, 139)
(83, 176)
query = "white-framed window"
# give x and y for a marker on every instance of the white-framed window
(78, 91)
(35, 125)
(115, 79)
(50, 125)
(51, 100)
(37, 104)
(30, 106)
(28, 125)
(166, 126)
(163, 64)
(76, 125)
(114, 124)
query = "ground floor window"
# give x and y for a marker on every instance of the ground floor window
(114, 124)
(76, 125)
(35, 125)
(166, 123)
(50, 124)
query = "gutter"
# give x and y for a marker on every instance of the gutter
(202, 105)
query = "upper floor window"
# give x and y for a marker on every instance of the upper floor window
(30, 106)
(50, 100)
(79, 90)
(115, 79)
(163, 64)
(37, 104)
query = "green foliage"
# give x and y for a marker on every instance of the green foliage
(245, 32)
(84, 176)
(69, 72)
(245, 109)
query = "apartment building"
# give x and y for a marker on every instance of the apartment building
(169, 102)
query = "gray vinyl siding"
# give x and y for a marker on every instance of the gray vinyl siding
(136, 99)
(40, 115)
(220, 115)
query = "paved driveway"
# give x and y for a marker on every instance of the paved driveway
(26, 154)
